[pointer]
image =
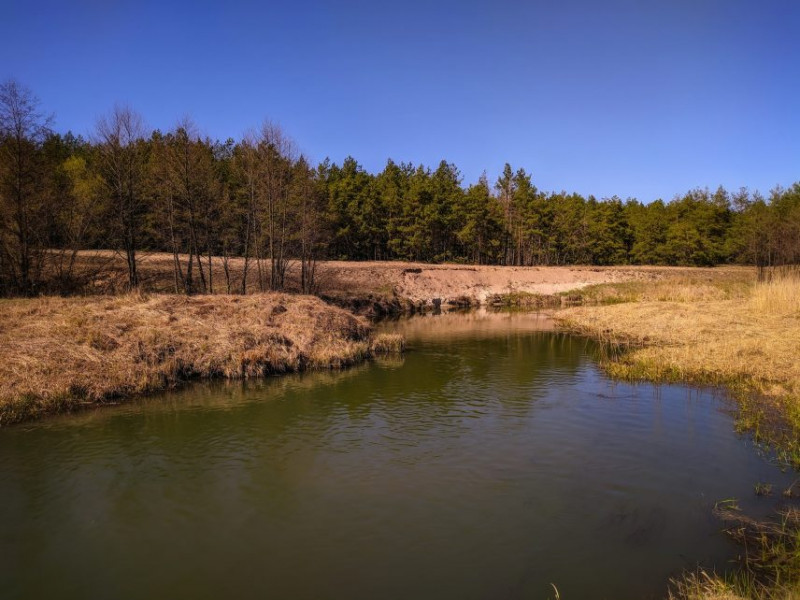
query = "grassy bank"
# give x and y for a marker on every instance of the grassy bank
(59, 355)
(722, 331)
(742, 335)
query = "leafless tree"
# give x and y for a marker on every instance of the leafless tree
(308, 222)
(277, 154)
(187, 191)
(123, 156)
(23, 128)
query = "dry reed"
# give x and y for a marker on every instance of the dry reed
(388, 343)
(780, 296)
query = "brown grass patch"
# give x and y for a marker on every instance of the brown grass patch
(60, 354)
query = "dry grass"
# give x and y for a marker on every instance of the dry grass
(703, 586)
(676, 285)
(388, 343)
(61, 354)
(778, 297)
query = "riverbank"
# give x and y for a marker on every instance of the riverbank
(744, 336)
(397, 287)
(60, 355)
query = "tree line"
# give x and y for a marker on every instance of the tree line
(259, 199)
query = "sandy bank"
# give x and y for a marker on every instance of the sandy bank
(422, 284)
(381, 287)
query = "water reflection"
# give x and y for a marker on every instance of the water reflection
(475, 324)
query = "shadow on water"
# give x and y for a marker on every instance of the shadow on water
(491, 460)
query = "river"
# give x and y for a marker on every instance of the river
(493, 460)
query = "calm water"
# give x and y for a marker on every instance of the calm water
(492, 460)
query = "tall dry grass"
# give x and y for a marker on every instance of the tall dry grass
(705, 586)
(780, 296)
(60, 354)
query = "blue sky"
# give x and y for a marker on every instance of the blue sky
(639, 98)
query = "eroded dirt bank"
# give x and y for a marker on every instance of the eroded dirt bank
(376, 287)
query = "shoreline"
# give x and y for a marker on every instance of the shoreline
(745, 340)
(66, 354)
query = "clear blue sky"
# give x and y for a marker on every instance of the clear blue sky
(641, 98)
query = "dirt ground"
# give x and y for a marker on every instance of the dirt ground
(419, 283)
(422, 283)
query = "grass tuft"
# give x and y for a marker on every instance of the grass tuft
(770, 561)
(388, 343)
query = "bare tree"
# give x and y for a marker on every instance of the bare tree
(23, 129)
(188, 192)
(307, 204)
(277, 154)
(123, 157)
(263, 164)
(245, 166)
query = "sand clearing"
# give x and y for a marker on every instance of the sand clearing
(421, 282)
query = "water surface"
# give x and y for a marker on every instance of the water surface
(492, 460)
